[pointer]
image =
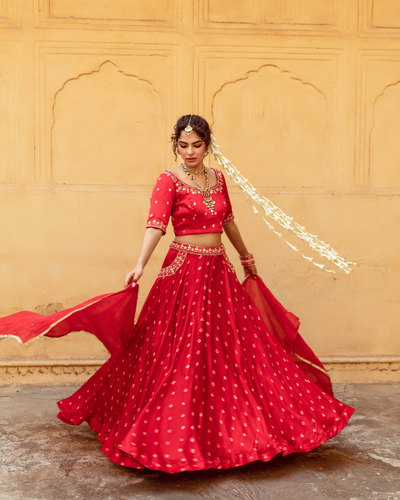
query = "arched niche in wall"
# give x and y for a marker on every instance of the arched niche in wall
(384, 155)
(107, 129)
(275, 126)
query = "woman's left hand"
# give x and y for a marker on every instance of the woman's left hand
(249, 270)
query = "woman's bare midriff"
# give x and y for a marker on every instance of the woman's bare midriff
(210, 240)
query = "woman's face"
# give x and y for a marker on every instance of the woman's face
(192, 149)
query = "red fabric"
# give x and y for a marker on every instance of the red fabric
(284, 326)
(210, 376)
(184, 204)
(110, 317)
(202, 382)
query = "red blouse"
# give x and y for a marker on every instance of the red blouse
(174, 198)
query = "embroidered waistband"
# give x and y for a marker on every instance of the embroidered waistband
(183, 247)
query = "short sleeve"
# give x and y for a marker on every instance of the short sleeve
(228, 217)
(161, 202)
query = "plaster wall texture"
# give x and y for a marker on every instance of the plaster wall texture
(303, 98)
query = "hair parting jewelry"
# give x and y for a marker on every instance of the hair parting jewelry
(188, 129)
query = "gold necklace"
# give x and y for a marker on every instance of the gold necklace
(205, 191)
(197, 172)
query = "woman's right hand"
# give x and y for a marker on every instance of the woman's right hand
(133, 276)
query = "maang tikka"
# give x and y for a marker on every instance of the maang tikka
(188, 129)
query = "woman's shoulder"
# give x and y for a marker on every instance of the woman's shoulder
(166, 176)
(174, 175)
(218, 173)
(220, 176)
(165, 182)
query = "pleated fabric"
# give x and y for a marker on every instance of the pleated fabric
(202, 382)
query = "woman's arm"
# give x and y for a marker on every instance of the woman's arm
(232, 231)
(150, 240)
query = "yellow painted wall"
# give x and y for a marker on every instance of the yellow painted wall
(304, 98)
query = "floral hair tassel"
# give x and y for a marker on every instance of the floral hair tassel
(275, 213)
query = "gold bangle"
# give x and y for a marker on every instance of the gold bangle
(245, 256)
(247, 260)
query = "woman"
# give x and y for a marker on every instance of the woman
(200, 382)
(214, 374)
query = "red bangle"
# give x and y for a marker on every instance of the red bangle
(247, 260)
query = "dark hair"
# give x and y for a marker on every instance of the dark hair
(199, 125)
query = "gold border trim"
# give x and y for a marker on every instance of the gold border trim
(56, 323)
(172, 268)
(196, 250)
(314, 366)
(11, 337)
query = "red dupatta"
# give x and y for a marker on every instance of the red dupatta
(110, 317)
(284, 326)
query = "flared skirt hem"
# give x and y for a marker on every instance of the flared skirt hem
(125, 459)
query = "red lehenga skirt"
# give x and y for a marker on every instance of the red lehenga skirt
(211, 375)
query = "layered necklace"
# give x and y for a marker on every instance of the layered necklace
(205, 191)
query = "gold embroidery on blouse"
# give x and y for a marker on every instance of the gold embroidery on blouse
(228, 219)
(182, 186)
(157, 224)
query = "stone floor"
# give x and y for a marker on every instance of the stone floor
(42, 458)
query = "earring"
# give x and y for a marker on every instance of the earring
(207, 152)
